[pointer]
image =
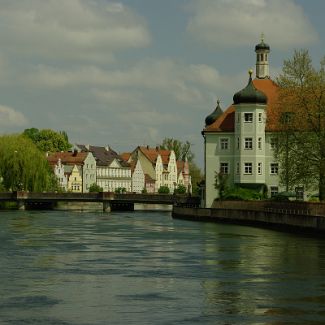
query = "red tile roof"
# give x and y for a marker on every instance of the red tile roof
(152, 154)
(68, 158)
(226, 122)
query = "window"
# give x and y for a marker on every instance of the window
(224, 144)
(238, 117)
(248, 117)
(224, 168)
(238, 143)
(259, 143)
(248, 143)
(260, 117)
(248, 168)
(274, 190)
(273, 143)
(274, 168)
(259, 168)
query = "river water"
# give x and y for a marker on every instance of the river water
(76, 268)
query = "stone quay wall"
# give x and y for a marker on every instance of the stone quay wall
(289, 216)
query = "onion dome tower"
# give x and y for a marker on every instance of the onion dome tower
(214, 115)
(250, 95)
(262, 60)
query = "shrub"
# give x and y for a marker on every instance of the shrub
(180, 189)
(242, 194)
(95, 188)
(120, 190)
(163, 190)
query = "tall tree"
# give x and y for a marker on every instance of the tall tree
(301, 116)
(23, 166)
(48, 140)
(182, 149)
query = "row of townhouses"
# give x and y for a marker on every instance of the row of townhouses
(143, 170)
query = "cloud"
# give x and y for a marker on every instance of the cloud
(11, 117)
(235, 23)
(70, 30)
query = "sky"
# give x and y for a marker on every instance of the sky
(133, 72)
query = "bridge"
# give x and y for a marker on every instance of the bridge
(110, 200)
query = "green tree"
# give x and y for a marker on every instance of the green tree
(23, 166)
(48, 140)
(182, 149)
(301, 117)
(221, 184)
(163, 190)
(180, 189)
(95, 188)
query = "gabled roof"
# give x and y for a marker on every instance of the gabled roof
(104, 155)
(68, 158)
(226, 122)
(148, 179)
(125, 156)
(152, 154)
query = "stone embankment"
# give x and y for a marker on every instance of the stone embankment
(290, 216)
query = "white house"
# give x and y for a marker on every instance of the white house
(112, 172)
(239, 142)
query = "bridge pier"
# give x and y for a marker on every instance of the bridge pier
(106, 206)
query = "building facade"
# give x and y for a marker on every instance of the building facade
(161, 167)
(112, 172)
(239, 142)
(66, 163)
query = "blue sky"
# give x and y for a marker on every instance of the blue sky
(132, 72)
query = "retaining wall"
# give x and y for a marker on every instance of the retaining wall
(291, 216)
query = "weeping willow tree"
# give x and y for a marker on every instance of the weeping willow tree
(23, 166)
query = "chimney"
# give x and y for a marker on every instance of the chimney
(75, 153)
(157, 148)
(147, 147)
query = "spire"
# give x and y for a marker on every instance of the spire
(262, 61)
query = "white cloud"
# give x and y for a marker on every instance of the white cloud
(70, 29)
(11, 117)
(235, 23)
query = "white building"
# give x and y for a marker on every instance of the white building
(239, 142)
(112, 171)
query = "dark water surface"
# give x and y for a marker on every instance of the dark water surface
(73, 268)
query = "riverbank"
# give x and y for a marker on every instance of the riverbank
(285, 216)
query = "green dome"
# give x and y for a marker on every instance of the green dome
(250, 95)
(262, 46)
(214, 115)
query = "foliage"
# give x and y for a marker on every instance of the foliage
(242, 194)
(48, 140)
(95, 188)
(196, 177)
(163, 190)
(144, 191)
(182, 149)
(23, 166)
(120, 190)
(180, 189)
(301, 112)
(220, 184)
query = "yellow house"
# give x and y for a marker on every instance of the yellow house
(75, 180)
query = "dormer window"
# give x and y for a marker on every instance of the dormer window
(248, 117)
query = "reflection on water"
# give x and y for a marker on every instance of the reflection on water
(146, 268)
